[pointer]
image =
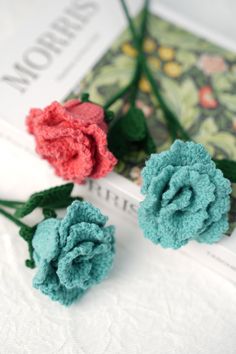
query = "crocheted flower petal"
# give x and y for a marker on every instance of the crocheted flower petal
(108, 235)
(76, 213)
(85, 112)
(189, 153)
(74, 267)
(46, 239)
(47, 281)
(81, 232)
(200, 186)
(104, 160)
(215, 231)
(85, 265)
(203, 191)
(54, 114)
(171, 241)
(101, 264)
(208, 168)
(154, 165)
(181, 225)
(68, 150)
(221, 205)
(180, 154)
(150, 207)
(78, 167)
(43, 269)
(32, 118)
(181, 201)
(178, 181)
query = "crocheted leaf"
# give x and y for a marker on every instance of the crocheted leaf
(56, 197)
(130, 134)
(149, 145)
(117, 142)
(228, 167)
(133, 125)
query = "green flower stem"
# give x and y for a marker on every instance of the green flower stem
(25, 232)
(118, 95)
(11, 203)
(172, 121)
(12, 218)
(139, 63)
(133, 84)
(130, 21)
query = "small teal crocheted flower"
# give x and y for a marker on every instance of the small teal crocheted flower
(186, 197)
(74, 253)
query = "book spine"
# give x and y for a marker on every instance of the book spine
(122, 195)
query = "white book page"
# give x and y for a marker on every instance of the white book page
(52, 52)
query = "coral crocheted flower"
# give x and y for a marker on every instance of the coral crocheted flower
(73, 139)
(186, 197)
(72, 253)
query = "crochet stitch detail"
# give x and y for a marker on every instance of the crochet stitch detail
(74, 253)
(186, 197)
(73, 139)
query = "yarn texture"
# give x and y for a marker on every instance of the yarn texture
(74, 253)
(133, 135)
(186, 197)
(73, 139)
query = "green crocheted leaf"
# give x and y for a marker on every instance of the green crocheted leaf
(129, 134)
(117, 142)
(149, 145)
(52, 198)
(133, 125)
(228, 167)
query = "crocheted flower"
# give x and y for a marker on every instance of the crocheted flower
(73, 139)
(187, 198)
(72, 253)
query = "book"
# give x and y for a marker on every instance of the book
(79, 47)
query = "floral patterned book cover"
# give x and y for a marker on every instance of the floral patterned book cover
(197, 79)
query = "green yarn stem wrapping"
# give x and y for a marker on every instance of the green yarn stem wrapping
(133, 84)
(12, 218)
(26, 232)
(10, 203)
(139, 63)
(118, 95)
(172, 121)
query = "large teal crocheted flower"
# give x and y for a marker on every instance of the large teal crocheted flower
(186, 197)
(72, 253)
